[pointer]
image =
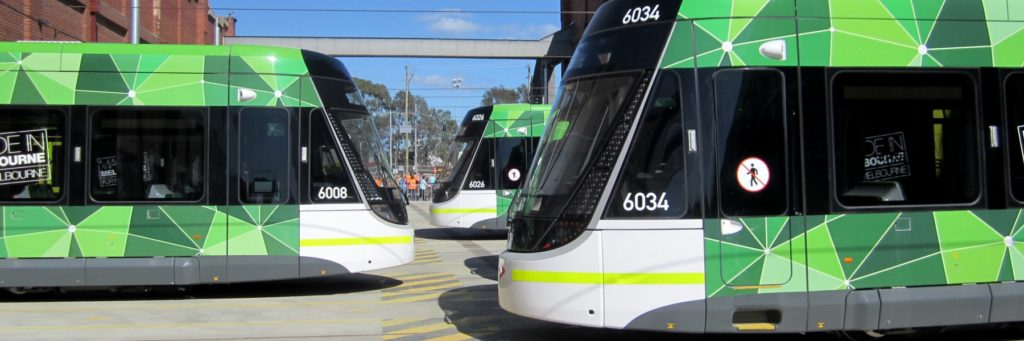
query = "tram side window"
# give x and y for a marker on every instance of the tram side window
(148, 155)
(329, 177)
(479, 176)
(652, 181)
(263, 152)
(905, 138)
(31, 154)
(1015, 133)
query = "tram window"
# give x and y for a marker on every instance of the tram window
(905, 138)
(651, 183)
(263, 151)
(31, 154)
(148, 155)
(479, 176)
(1015, 133)
(329, 177)
(751, 142)
(511, 161)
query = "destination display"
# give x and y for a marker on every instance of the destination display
(886, 157)
(24, 157)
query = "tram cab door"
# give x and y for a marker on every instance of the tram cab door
(263, 212)
(753, 229)
(511, 161)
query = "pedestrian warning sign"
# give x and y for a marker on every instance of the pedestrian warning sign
(753, 174)
(513, 174)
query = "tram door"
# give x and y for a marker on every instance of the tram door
(511, 161)
(753, 179)
(263, 230)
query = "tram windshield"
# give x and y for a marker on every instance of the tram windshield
(363, 133)
(458, 155)
(586, 111)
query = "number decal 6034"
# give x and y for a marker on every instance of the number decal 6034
(644, 202)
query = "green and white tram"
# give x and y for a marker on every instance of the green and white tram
(780, 166)
(483, 171)
(180, 165)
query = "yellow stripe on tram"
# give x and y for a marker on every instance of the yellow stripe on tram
(607, 278)
(355, 241)
(463, 210)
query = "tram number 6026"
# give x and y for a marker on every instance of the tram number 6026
(477, 184)
(641, 14)
(328, 193)
(644, 202)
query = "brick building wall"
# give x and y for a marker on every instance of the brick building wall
(161, 21)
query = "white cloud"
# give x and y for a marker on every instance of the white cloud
(433, 81)
(451, 22)
(514, 31)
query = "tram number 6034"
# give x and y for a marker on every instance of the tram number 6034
(644, 202)
(332, 193)
(641, 14)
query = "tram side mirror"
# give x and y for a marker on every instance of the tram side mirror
(884, 191)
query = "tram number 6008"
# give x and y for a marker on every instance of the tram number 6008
(644, 202)
(332, 193)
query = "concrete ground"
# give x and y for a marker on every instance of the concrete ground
(448, 293)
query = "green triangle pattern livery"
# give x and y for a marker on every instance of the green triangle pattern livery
(847, 33)
(863, 251)
(148, 231)
(152, 75)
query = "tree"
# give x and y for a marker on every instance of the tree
(503, 95)
(435, 128)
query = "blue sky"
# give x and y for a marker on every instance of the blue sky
(432, 75)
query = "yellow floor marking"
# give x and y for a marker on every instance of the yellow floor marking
(150, 306)
(424, 289)
(415, 298)
(417, 330)
(434, 257)
(188, 325)
(395, 322)
(428, 281)
(411, 277)
(453, 337)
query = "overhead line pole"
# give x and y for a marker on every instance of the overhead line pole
(406, 123)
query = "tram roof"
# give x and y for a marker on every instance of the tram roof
(50, 73)
(157, 58)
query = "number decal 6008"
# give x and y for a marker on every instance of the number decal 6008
(330, 193)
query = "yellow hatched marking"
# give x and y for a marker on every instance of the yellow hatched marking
(417, 330)
(419, 298)
(395, 322)
(421, 275)
(424, 289)
(429, 281)
(453, 337)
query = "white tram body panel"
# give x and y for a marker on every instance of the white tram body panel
(469, 208)
(352, 235)
(620, 271)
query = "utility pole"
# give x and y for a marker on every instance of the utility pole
(406, 123)
(415, 136)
